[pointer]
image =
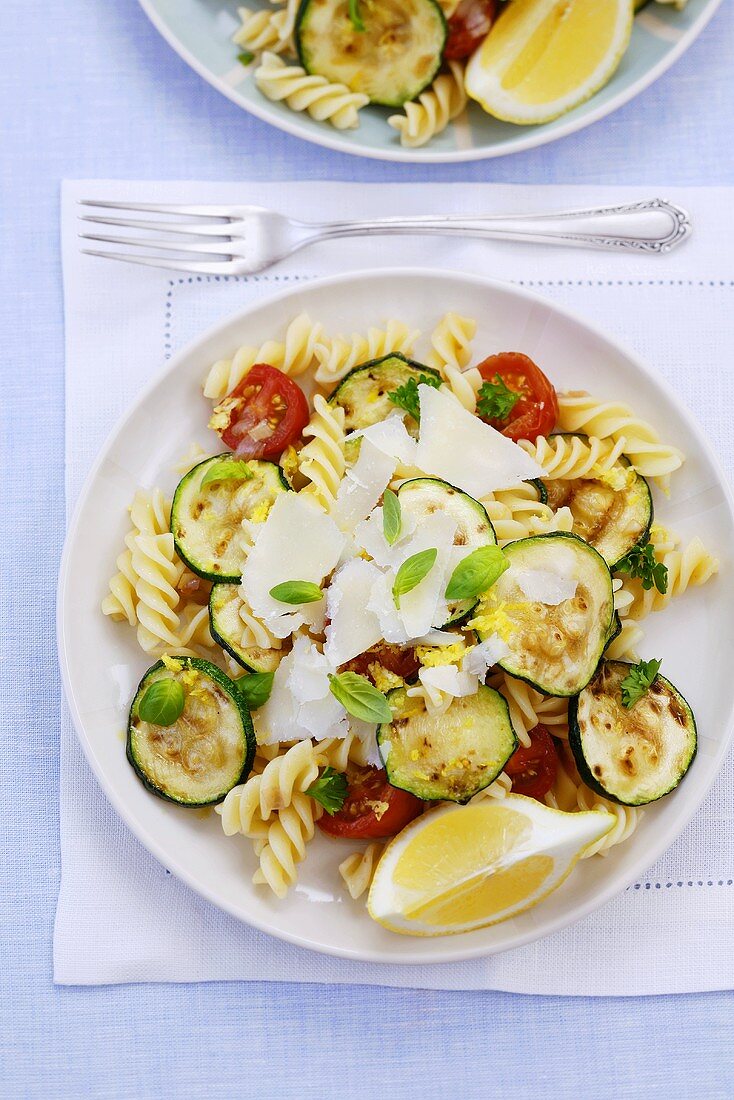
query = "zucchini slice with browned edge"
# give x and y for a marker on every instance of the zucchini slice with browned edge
(451, 756)
(391, 58)
(364, 392)
(207, 751)
(554, 647)
(228, 629)
(612, 512)
(422, 496)
(631, 756)
(206, 522)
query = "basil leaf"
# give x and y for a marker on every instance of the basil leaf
(359, 697)
(412, 571)
(476, 573)
(297, 592)
(226, 469)
(255, 689)
(245, 58)
(330, 789)
(162, 703)
(392, 519)
(356, 16)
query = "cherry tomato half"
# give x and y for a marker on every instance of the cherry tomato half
(468, 27)
(536, 412)
(533, 769)
(266, 411)
(372, 808)
(398, 659)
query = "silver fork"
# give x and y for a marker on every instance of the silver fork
(241, 240)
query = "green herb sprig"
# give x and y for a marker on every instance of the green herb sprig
(355, 16)
(330, 789)
(642, 565)
(412, 571)
(359, 697)
(495, 400)
(297, 592)
(407, 397)
(226, 469)
(255, 688)
(476, 573)
(162, 703)
(637, 681)
(392, 519)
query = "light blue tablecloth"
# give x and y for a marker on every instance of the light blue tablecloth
(88, 89)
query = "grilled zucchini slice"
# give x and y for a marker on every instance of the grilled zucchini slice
(391, 60)
(613, 513)
(631, 756)
(363, 393)
(206, 522)
(422, 496)
(227, 628)
(556, 648)
(451, 756)
(207, 751)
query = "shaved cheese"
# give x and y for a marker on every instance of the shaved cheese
(362, 486)
(382, 604)
(301, 704)
(353, 628)
(296, 542)
(480, 658)
(366, 733)
(370, 535)
(390, 436)
(425, 606)
(450, 680)
(542, 586)
(459, 447)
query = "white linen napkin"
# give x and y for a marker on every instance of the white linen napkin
(121, 916)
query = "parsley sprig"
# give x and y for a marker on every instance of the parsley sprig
(642, 564)
(355, 15)
(330, 789)
(495, 400)
(637, 681)
(407, 397)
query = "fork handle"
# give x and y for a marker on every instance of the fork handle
(654, 225)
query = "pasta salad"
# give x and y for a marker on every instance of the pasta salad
(399, 602)
(523, 61)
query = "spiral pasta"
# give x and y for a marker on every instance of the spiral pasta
(254, 632)
(284, 845)
(293, 356)
(322, 99)
(529, 708)
(624, 646)
(431, 113)
(435, 701)
(267, 30)
(322, 460)
(569, 457)
(518, 513)
(499, 788)
(687, 568)
(337, 356)
(570, 794)
(251, 804)
(339, 752)
(580, 412)
(451, 341)
(358, 869)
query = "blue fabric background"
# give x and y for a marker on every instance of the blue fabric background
(87, 88)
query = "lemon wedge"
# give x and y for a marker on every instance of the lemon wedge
(457, 868)
(543, 57)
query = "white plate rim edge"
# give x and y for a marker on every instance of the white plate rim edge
(533, 141)
(447, 955)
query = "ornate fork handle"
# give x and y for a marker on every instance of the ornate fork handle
(654, 225)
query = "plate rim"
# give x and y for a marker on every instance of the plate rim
(539, 136)
(446, 952)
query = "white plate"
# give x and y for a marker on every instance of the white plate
(101, 663)
(200, 31)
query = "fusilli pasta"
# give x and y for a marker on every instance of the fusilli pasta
(337, 356)
(451, 342)
(322, 460)
(284, 845)
(293, 356)
(358, 869)
(570, 457)
(688, 567)
(251, 804)
(570, 794)
(323, 100)
(529, 708)
(264, 30)
(580, 412)
(431, 113)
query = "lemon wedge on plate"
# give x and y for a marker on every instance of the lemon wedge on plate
(457, 868)
(543, 57)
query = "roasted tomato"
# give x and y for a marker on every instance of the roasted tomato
(533, 769)
(263, 415)
(401, 660)
(468, 27)
(536, 412)
(372, 808)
